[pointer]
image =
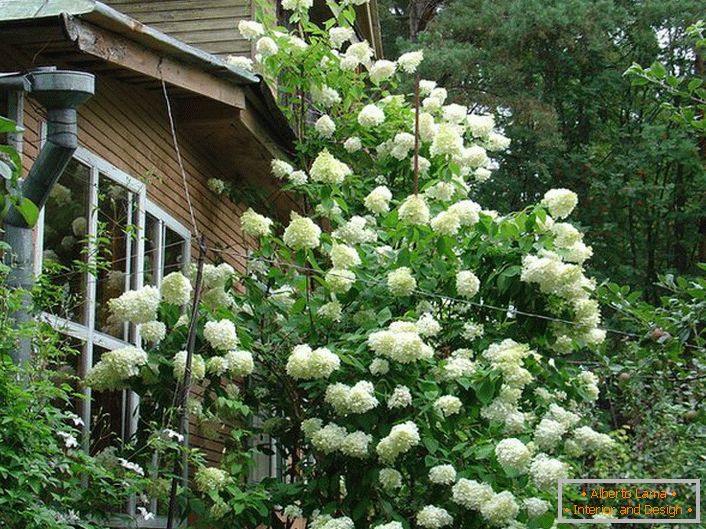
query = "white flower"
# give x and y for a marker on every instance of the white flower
(400, 342)
(353, 144)
(69, 440)
(482, 174)
(467, 284)
(280, 168)
(545, 472)
(356, 444)
(221, 335)
(325, 127)
(446, 223)
(329, 438)
(115, 367)
(330, 311)
(500, 508)
(339, 280)
(390, 479)
(427, 325)
(305, 364)
(153, 332)
(311, 426)
(137, 469)
(401, 282)
(328, 170)
(254, 224)
(458, 367)
(355, 231)
(198, 366)
(144, 514)
(427, 127)
(447, 405)
(344, 256)
(250, 29)
(559, 414)
(497, 142)
(425, 86)
(370, 116)
(382, 70)
(390, 525)
(467, 212)
(512, 454)
(401, 439)
(216, 185)
(292, 512)
(536, 507)
(298, 178)
(378, 200)
(432, 517)
(454, 113)
(470, 494)
(216, 365)
(401, 397)
(210, 479)
(447, 141)
(339, 36)
(176, 289)
(325, 96)
(410, 61)
(301, 233)
(591, 440)
(359, 52)
(240, 363)
(295, 5)
(379, 366)
(266, 47)
(560, 202)
(217, 276)
(442, 191)
(402, 144)
(480, 125)
(442, 474)
(473, 157)
(345, 399)
(136, 306)
(238, 61)
(414, 210)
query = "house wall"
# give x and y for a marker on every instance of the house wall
(209, 24)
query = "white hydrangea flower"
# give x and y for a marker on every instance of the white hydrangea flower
(266, 47)
(240, 363)
(115, 367)
(480, 125)
(329, 438)
(401, 439)
(356, 444)
(512, 454)
(400, 342)
(355, 231)
(592, 440)
(482, 174)
(500, 509)
(325, 96)
(467, 284)
(414, 210)
(401, 397)
(467, 211)
(560, 202)
(446, 223)
(216, 185)
(360, 52)
(254, 224)
(339, 280)
(390, 479)
(153, 332)
(442, 191)
(382, 70)
(330, 311)
(379, 366)
(455, 368)
(427, 325)
(238, 61)
(447, 405)
(401, 282)
(546, 471)
(305, 364)
(344, 256)
(432, 517)
(389, 525)
(447, 141)
(221, 335)
(402, 144)
(454, 113)
(442, 474)
(577, 253)
(497, 142)
(356, 399)
(378, 200)
(217, 276)
(301, 233)
(176, 289)
(559, 414)
(353, 144)
(311, 426)
(422, 164)
(371, 116)
(293, 512)
(328, 170)
(427, 127)
(295, 5)
(250, 29)
(325, 127)
(217, 365)
(470, 494)
(410, 61)
(473, 157)
(198, 366)
(426, 87)
(280, 168)
(136, 306)
(536, 507)
(340, 36)
(298, 178)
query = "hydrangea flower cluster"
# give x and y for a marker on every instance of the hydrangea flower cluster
(305, 363)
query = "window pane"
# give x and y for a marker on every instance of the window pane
(174, 252)
(152, 227)
(65, 233)
(108, 410)
(116, 240)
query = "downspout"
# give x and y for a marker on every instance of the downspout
(61, 92)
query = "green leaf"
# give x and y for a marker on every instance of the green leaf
(28, 210)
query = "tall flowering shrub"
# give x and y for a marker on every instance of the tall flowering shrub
(386, 330)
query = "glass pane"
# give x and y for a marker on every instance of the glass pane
(116, 242)
(65, 235)
(174, 252)
(107, 413)
(152, 227)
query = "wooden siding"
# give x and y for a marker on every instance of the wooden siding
(211, 25)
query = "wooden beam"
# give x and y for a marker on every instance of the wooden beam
(127, 54)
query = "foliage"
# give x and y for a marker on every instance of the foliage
(48, 481)
(414, 356)
(11, 171)
(553, 71)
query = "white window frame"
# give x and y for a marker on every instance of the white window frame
(86, 332)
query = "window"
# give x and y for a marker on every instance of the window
(106, 237)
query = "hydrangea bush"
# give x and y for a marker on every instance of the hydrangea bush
(385, 331)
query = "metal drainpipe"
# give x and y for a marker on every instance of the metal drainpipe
(61, 92)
